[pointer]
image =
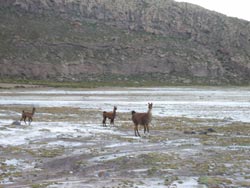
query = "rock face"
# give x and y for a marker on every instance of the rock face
(108, 39)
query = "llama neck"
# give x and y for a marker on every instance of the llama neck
(149, 114)
(33, 111)
(149, 111)
(114, 112)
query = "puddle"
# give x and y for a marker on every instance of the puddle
(152, 182)
(182, 142)
(41, 130)
(118, 145)
(187, 182)
(20, 164)
(237, 147)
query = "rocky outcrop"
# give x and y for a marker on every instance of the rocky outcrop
(161, 39)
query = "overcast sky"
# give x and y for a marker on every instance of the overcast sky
(233, 8)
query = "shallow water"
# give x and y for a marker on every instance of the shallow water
(207, 102)
(187, 182)
(219, 103)
(83, 135)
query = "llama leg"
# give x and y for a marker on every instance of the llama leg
(30, 120)
(136, 131)
(145, 128)
(104, 122)
(21, 120)
(24, 119)
(111, 121)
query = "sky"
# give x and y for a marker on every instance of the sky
(233, 8)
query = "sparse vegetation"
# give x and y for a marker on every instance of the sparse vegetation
(70, 47)
(214, 181)
(93, 154)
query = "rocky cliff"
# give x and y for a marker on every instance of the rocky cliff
(143, 40)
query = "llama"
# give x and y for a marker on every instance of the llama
(28, 115)
(142, 119)
(109, 115)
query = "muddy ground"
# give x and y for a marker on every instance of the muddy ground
(67, 146)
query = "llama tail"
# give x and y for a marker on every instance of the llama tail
(133, 112)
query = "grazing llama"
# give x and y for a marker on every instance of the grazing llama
(109, 115)
(28, 115)
(142, 119)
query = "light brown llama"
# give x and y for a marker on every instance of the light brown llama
(109, 115)
(28, 115)
(142, 119)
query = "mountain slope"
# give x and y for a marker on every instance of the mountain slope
(143, 40)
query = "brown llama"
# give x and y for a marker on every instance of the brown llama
(28, 115)
(142, 119)
(109, 115)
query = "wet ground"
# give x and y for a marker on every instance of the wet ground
(199, 137)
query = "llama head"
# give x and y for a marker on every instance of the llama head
(150, 106)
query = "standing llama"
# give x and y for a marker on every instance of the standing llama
(109, 115)
(28, 115)
(142, 119)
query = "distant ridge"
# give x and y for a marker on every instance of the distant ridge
(132, 40)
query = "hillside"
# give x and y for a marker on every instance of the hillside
(132, 40)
